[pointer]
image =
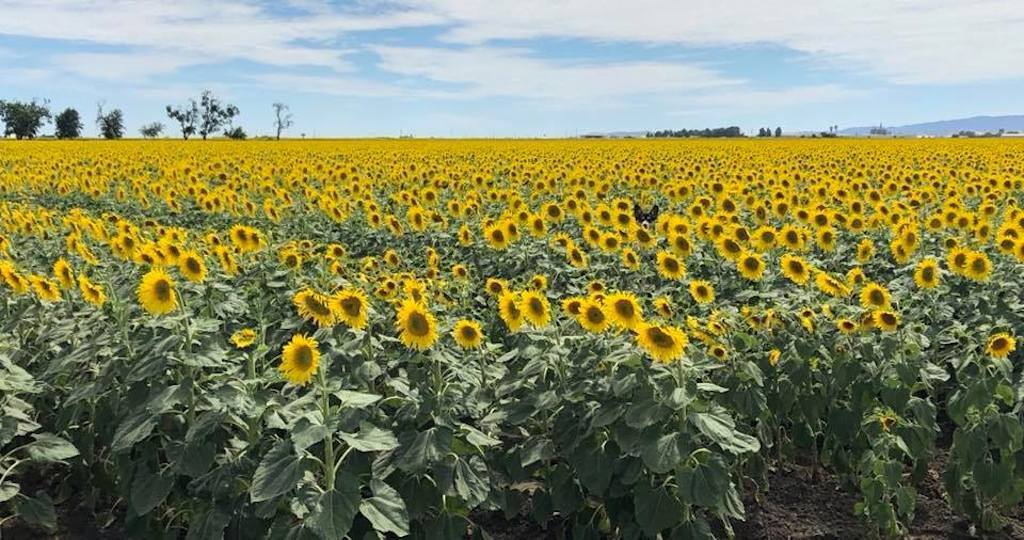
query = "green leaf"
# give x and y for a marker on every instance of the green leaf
(428, 447)
(471, 480)
(663, 453)
(386, 510)
(38, 511)
(719, 427)
(209, 527)
(49, 447)
(356, 399)
(278, 472)
(656, 509)
(8, 429)
(149, 490)
(705, 482)
(8, 489)
(337, 508)
(370, 439)
(132, 431)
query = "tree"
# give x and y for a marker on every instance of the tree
(151, 130)
(111, 124)
(778, 131)
(186, 117)
(236, 133)
(23, 120)
(282, 118)
(69, 124)
(213, 114)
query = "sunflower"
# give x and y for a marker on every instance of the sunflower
(316, 307)
(624, 310)
(1000, 345)
(846, 326)
(510, 311)
(351, 307)
(664, 306)
(773, 357)
(535, 308)
(62, 271)
(979, 268)
(468, 334)
(572, 305)
(495, 287)
(719, 351)
(796, 269)
(91, 292)
(459, 271)
(191, 265)
(497, 237)
(156, 292)
(244, 338)
(669, 266)
(417, 325)
(702, 291)
(662, 342)
(926, 274)
(539, 282)
(46, 289)
(299, 359)
(865, 250)
(750, 266)
(630, 260)
(830, 285)
(957, 260)
(592, 316)
(875, 296)
(885, 320)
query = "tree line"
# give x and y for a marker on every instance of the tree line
(203, 116)
(731, 131)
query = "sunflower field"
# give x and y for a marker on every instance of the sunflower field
(370, 339)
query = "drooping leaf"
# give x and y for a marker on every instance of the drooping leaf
(278, 472)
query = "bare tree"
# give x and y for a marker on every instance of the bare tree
(214, 114)
(283, 118)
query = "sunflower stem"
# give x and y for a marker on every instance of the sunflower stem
(325, 407)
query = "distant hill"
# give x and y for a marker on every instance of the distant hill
(979, 124)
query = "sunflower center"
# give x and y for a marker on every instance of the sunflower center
(978, 265)
(876, 297)
(624, 308)
(999, 343)
(418, 324)
(660, 338)
(889, 319)
(303, 357)
(595, 315)
(468, 332)
(162, 290)
(671, 265)
(928, 273)
(536, 306)
(751, 263)
(352, 306)
(192, 265)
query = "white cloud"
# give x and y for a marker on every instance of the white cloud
(489, 71)
(904, 41)
(194, 32)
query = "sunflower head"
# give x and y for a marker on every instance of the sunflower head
(662, 342)
(535, 308)
(416, 324)
(156, 292)
(300, 359)
(1000, 345)
(467, 334)
(244, 338)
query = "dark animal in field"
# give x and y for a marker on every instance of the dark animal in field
(645, 218)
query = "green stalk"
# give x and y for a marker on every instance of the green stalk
(325, 408)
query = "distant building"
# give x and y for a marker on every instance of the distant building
(1012, 134)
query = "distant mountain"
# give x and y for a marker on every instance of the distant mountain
(979, 124)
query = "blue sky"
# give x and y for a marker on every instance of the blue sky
(522, 68)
